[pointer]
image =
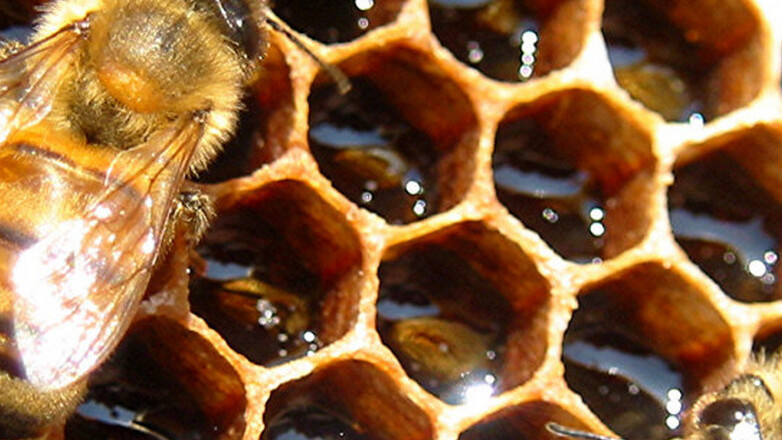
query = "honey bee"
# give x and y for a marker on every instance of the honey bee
(749, 407)
(102, 117)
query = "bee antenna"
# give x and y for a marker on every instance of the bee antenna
(339, 77)
(563, 431)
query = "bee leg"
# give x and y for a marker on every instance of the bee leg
(193, 212)
(187, 222)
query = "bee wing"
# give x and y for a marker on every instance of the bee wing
(78, 287)
(29, 78)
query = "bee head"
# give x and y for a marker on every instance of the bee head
(239, 23)
(734, 412)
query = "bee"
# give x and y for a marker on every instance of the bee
(102, 117)
(749, 407)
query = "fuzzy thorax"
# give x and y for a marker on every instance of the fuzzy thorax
(146, 64)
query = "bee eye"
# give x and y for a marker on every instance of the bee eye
(731, 419)
(237, 24)
(752, 381)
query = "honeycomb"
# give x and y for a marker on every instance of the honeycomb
(523, 211)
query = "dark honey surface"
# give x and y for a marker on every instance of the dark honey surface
(524, 211)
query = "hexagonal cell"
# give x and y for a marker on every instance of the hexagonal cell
(768, 340)
(638, 346)
(522, 422)
(163, 382)
(572, 168)
(667, 55)
(277, 280)
(264, 123)
(725, 207)
(350, 400)
(464, 310)
(337, 21)
(404, 156)
(511, 40)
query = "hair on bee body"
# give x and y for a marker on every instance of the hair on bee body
(146, 62)
(748, 407)
(103, 115)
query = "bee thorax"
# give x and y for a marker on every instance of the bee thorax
(178, 61)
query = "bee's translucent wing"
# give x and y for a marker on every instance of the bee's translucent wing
(77, 287)
(29, 79)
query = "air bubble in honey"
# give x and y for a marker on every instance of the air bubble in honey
(445, 323)
(728, 225)
(265, 323)
(548, 193)
(497, 37)
(371, 154)
(267, 318)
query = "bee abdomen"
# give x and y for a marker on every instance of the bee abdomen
(50, 186)
(23, 410)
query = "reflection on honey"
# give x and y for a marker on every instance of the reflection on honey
(653, 61)
(547, 192)
(336, 21)
(419, 333)
(142, 394)
(728, 225)
(497, 37)
(371, 154)
(445, 323)
(633, 390)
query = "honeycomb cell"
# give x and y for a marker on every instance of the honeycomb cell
(577, 172)
(768, 340)
(264, 123)
(163, 382)
(667, 55)
(277, 280)
(337, 21)
(464, 311)
(725, 211)
(526, 421)
(282, 272)
(404, 156)
(511, 40)
(638, 347)
(350, 400)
